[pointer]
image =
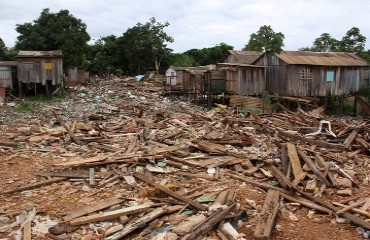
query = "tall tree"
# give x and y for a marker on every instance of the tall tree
(353, 41)
(53, 31)
(210, 55)
(325, 43)
(266, 40)
(104, 54)
(3, 50)
(145, 44)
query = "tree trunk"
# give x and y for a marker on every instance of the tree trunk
(156, 62)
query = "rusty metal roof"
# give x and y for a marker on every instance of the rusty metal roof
(322, 58)
(243, 57)
(55, 53)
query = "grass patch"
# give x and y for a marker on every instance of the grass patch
(24, 106)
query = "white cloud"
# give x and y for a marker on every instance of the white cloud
(202, 23)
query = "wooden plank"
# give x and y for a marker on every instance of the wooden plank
(27, 231)
(267, 217)
(356, 210)
(203, 228)
(36, 185)
(349, 207)
(313, 167)
(111, 215)
(350, 138)
(306, 203)
(321, 163)
(171, 193)
(295, 163)
(282, 179)
(82, 161)
(366, 206)
(80, 211)
(139, 223)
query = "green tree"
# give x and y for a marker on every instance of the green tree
(181, 60)
(325, 43)
(353, 41)
(266, 40)
(210, 55)
(145, 45)
(53, 31)
(104, 54)
(3, 50)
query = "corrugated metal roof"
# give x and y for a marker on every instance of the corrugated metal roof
(8, 63)
(243, 57)
(191, 68)
(55, 53)
(240, 65)
(322, 58)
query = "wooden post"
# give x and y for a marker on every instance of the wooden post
(355, 107)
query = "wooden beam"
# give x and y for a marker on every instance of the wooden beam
(349, 207)
(80, 211)
(295, 162)
(171, 193)
(111, 215)
(313, 167)
(202, 229)
(143, 221)
(267, 217)
(350, 138)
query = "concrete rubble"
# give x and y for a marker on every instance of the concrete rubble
(118, 160)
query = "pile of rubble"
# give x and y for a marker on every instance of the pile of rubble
(116, 160)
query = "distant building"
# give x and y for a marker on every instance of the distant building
(40, 67)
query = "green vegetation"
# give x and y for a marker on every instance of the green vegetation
(52, 31)
(266, 40)
(24, 106)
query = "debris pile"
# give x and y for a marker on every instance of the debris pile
(116, 160)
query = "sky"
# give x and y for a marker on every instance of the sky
(202, 23)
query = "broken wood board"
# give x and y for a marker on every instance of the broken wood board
(267, 217)
(80, 211)
(78, 162)
(204, 227)
(295, 163)
(143, 221)
(111, 215)
(36, 185)
(171, 193)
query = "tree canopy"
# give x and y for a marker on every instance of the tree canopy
(210, 55)
(3, 50)
(266, 40)
(55, 31)
(325, 43)
(145, 45)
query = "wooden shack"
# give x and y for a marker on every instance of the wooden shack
(7, 78)
(8, 74)
(76, 76)
(39, 68)
(302, 74)
(174, 75)
(236, 75)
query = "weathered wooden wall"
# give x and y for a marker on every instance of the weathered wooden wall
(39, 70)
(251, 81)
(7, 75)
